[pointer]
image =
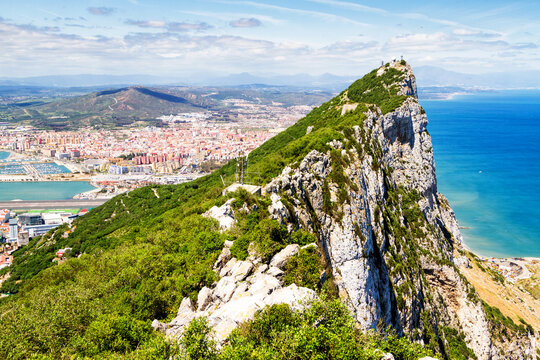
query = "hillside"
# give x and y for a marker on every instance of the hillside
(116, 107)
(349, 253)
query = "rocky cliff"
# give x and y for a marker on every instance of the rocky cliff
(390, 241)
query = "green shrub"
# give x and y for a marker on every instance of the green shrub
(305, 268)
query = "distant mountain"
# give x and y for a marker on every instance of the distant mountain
(86, 80)
(324, 81)
(426, 75)
(115, 107)
(436, 76)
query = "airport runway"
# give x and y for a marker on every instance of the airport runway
(51, 204)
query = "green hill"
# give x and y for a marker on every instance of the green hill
(116, 107)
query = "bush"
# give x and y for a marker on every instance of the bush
(196, 341)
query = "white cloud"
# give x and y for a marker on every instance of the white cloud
(475, 33)
(245, 23)
(101, 10)
(170, 26)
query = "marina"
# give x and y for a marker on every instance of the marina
(27, 169)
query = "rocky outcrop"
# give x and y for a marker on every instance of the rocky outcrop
(224, 214)
(244, 288)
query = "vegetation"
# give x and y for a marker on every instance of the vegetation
(305, 269)
(325, 330)
(129, 106)
(380, 90)
(503, 327)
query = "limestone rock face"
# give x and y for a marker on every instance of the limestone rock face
(388, 237)
(385, 261)
(277, 210)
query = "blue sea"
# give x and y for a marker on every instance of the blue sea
(487, 156)
(42, 190)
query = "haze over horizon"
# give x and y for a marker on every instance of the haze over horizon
(223, 37)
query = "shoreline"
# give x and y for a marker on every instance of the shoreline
(511, 268)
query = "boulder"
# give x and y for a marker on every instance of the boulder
(222, 258)
(226, 270)
(223, 214)
(204, 298)
(159, 326)
(280, 259)
(186, 306)
(277, 210)
(264, 284)
(275, 272)
(225, 288)
(241, 270)
(296, 297)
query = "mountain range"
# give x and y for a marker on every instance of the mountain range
(427, 76)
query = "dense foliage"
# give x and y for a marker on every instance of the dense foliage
(380, 90)
(324, 330)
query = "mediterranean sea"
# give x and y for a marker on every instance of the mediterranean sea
(487, 157)
(42, 190)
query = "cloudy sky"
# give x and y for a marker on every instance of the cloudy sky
(343, 37)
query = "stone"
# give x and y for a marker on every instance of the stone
(280, 259)
(310, 245)
(387, 356)
(225, 288)
(264, 284)
(241, 270)
(159, 326)
(223, 214)
(222, 258)
(275, 272)
(241, 290)
(186, 306)
(277, 210)
(226, 270)
(462, 261)
(261, 268)
(296, 297)
(204, 298)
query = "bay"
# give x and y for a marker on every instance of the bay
(42, 190)
(487, 156)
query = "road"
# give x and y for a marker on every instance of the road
(51, 204)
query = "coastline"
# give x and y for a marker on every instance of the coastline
(511, 268)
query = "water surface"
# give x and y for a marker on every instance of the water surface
(487, 154)
(42, 190)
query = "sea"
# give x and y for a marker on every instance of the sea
(42, 190)
(39, 190)
(487, 158)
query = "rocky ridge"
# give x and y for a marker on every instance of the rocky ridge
(388, 237)
(244, 288)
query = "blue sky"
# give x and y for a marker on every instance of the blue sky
(344, 37)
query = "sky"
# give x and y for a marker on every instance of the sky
(181, 38)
